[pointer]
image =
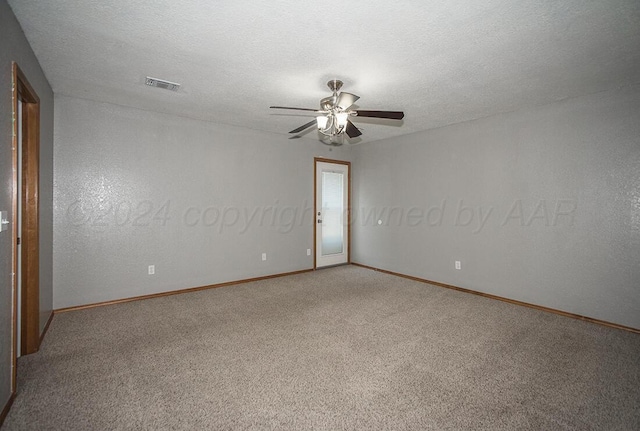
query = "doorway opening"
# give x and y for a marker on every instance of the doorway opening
(332, 210)
(25, 219)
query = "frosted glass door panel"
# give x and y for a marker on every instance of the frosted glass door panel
(332, 213)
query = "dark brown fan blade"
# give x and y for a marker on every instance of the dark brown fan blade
(295, 109)
(306, 126)
(352, 131)
(392, 115)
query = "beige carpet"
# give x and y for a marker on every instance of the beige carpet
(341, 348)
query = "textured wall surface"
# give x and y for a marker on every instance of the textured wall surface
(14, 47)
(198, 200)
(540, 205)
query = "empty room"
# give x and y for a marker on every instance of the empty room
(302, 215)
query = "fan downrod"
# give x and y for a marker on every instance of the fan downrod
(335, 85)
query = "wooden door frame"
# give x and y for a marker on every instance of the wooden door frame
(29, 235)
(315, 208)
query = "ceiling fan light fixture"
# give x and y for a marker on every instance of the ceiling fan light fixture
(322, 122)
(335, 110)
(338, 140)
(334, 140)
(341, 119)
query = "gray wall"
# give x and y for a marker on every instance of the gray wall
(198, 200)
(14, 47)
(540, 205)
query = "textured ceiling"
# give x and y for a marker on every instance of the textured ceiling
(441, 62)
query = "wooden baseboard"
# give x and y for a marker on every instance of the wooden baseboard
(510, 301)
(46, 327)
(177, 292)
(7, 407)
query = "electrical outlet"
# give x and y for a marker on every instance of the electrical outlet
(152, 269)
(308, 252)
(264, 256)
(458, 266)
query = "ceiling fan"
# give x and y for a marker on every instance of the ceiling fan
(335, 110)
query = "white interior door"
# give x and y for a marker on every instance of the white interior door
(332, 213)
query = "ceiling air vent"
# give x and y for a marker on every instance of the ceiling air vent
(167, 85)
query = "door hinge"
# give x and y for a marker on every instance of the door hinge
(18, 240)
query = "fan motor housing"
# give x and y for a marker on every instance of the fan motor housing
(335, 85)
